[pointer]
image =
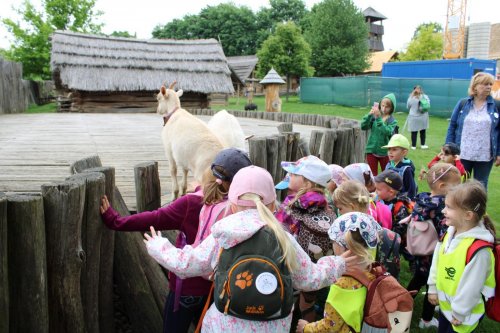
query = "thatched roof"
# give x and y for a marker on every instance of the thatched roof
(100, 63)
(272, 77)
(242, 66)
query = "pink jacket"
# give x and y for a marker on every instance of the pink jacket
(227, 233)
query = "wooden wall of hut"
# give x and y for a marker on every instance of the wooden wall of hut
(123, 101)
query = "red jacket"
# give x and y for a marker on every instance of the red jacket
(458, 164)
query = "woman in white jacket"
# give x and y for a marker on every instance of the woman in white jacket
(252, 197)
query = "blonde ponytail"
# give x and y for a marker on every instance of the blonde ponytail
(358, 246)
(289, 254)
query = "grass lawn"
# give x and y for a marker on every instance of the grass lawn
(435, 138)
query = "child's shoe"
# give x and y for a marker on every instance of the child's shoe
(426, 324)
(424, 147)
(413, 148)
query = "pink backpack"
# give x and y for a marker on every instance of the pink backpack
(421, 237)
(381, 213)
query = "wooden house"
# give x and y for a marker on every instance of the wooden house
(115, 74)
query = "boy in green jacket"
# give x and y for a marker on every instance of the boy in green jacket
(382, 125)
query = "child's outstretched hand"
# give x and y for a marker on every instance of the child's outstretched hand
(104, 204)
(422, 173)
(456, 322)
(300, 326)
(154, 234)
(433, 299)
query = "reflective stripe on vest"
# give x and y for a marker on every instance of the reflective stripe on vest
(349, 303)
(450, 267)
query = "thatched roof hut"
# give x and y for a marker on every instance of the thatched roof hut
(90, 65)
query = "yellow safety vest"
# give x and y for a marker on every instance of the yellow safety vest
(450, 267)
(349, 303)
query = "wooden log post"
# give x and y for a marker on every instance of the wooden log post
(302, 149)
(328, 145)
(27, 270)
(347, 147)
(92, 230)
(4, 272)
(107, 250)
(292, 139)
(143, 307)
(257, 151)
(85, 163)
(339, 147)
(272, 155)
(63, 206)
(285, 127)
(315, 142)
(147, 186)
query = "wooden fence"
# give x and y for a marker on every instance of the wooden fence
(14, 91)
(62, 270)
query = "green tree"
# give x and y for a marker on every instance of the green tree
(234, 26)
(337, 33)
(287, 51)
(123, 34)
(31, 45)
(427, 45)
(436, 27)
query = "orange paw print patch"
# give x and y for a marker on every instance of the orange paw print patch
(244, 280)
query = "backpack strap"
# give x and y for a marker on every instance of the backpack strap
(371, 291)
(205, 308)
(475, 247)
(359, 276)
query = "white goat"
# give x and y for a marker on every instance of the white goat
(227, 128)
(188, 142)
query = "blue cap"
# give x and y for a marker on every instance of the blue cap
(282, 185)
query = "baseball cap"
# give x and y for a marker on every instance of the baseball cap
(360, 172)
(252, 179)
(391, 178)
(367, 226)
(284, 183)
(398, 140)
(231, 160)
(311, 167)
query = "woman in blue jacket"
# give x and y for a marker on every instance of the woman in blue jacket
(475, 127)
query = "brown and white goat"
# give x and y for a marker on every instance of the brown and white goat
(189, 144)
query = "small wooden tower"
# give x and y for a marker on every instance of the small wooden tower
(271, 83)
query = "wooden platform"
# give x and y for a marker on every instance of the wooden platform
(36, 149)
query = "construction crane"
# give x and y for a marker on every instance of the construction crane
(454, 34)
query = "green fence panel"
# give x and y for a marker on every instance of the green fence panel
(362, 91)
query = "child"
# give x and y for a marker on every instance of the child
(351, 196)
(429, 206)
(382, 125)
(461, 288)
(450, 153)
(362, 173)
(306, 215)
(398, 149)
(252, 199)
(354, 232)
(388, 185)
(183, 215)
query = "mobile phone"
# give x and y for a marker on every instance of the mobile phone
(375, 105)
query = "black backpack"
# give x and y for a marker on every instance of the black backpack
(250, 282)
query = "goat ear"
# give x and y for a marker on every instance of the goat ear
(179, 93)
(163, 90)
(172, 85)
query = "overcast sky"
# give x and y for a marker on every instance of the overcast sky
(140, 17)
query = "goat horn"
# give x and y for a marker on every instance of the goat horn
(172, 85)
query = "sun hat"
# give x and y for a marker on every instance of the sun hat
(367, 226)
(398, 140)
(310, 167)
(391, 178)
(252, 179)
(337, 173)
(358, 172)
(231, 160)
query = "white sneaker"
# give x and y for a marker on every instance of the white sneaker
(424, 147)
(413, 148)
(426, 324)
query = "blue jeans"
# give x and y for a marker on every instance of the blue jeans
(481, 170)
(190, 309)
